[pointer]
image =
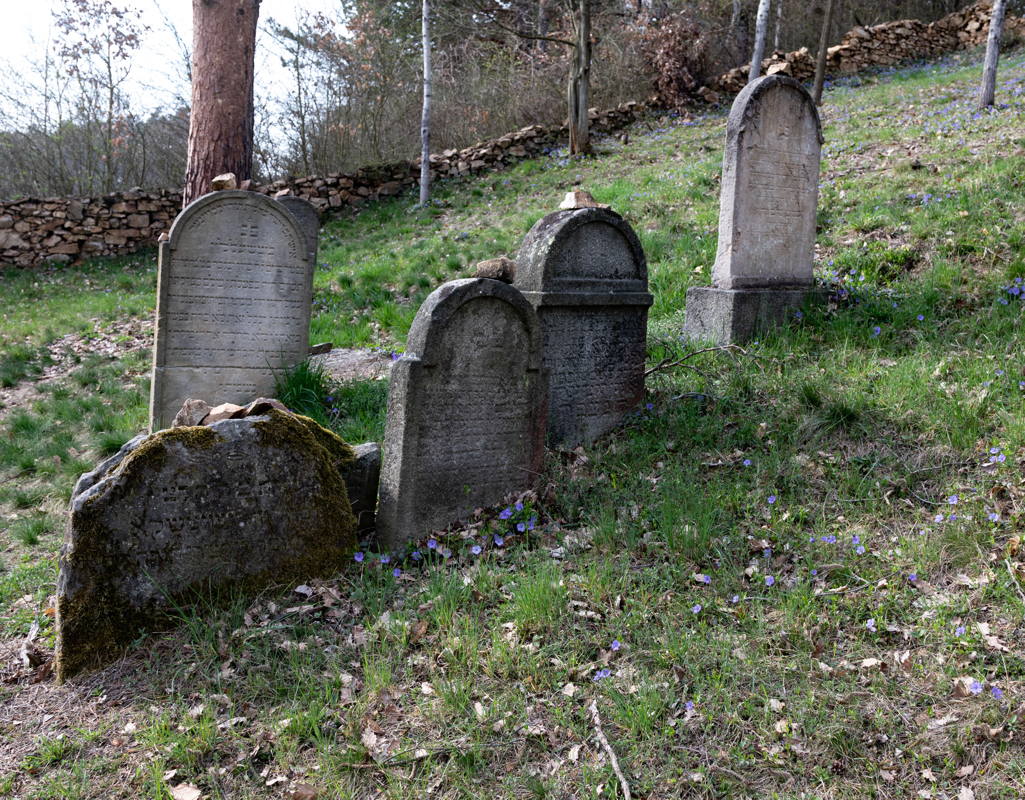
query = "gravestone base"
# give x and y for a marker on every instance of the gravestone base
(735, 316)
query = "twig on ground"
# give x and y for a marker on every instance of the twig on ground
(1014, 579)
(669, 363)
(593, 708)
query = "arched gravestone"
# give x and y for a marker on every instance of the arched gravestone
(584, 272)
(309, 220)
(466, 409)
(234, 290)
(770, 177)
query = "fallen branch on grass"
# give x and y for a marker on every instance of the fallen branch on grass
(593, 708)
(671, 363)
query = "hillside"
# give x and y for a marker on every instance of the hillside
(795, 573)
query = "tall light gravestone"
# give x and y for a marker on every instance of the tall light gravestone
(466, 409)
(583, 270)
(234, 291)
(770, 176)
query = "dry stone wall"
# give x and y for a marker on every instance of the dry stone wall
(62, 230)
(879, 45)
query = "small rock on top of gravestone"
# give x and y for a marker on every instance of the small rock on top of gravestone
(224, 182)
(498, 269)
(578, 198)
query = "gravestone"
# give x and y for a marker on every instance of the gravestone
(584, 273)
(241, 503)
(309, 220)
(234, 291)
(466, 410)
(770, 176)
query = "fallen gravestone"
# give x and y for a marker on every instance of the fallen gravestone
(584, 273)
(466, 409)
(770, 175)
(234, 292)
(244, 502)
(309, 220)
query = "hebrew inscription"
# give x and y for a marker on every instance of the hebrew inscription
(769, 188)
(584, 272)
(233, 302)
(465, 409)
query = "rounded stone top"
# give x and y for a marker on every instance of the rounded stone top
(582, 249)
(745, 107)
(258, 204)
(450, 299)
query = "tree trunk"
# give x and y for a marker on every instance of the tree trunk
(425, 117)
(820, 59)
(580, 84)
(221, 121)
(761, 24)
(987, 91)
(779, 25)
(737, 37)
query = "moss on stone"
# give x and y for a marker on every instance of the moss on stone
(96, 619)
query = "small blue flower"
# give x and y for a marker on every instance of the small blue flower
(519, 506)
(415, 555)
(993, 516)
(747, 462)
(615, 644)
(476, 549)
(432, 544)
(876, 330)
(696, 608)
(920, 317)
(952, 500)
(861, 550)
(521, 526)
(358, 557)
(769, 580)
(499, 540)
(938, 518)
(735, 599)
(959, 630)
(772, 499)
(385, 558)
(975, 688)
(997, 692)
(913, 577)
(689, 705)
(396, 572)
(602, 674)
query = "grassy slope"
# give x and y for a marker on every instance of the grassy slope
(472, 676)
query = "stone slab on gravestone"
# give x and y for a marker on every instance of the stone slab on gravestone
(234, 294)
(466, 410)
(309, 221)
(244, 502)
(584, 273)
(763, 266)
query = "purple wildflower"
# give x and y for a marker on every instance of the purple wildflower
(769, 580)
(358, 557)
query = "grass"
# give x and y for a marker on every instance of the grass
(804, 646)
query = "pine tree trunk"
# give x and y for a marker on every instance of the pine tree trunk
(987, 91)
(425, 117)
(221, 121)
(820, 58)
(580, 84)
(761, 24)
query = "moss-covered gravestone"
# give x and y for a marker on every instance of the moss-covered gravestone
(466, 409)
(244, 502)
(584, 272)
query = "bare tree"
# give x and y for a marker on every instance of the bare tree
(820, 59)
(425, 116)
(579, 89)
(779, 25)
(221, 125)
(987, 91)
(761, 24)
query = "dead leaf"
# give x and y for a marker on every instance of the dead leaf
(569, 689)
(574, 753)
(782, 727)
(963, 686)
(965, 794)
(303, 791)
(965, 771)
(927, 774)
(941, 721)
(185, 791)
(776, 705)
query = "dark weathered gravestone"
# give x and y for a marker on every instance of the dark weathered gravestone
(308, 219)
(466, 409)
(770, 175)
(243, 502)
(234, 292)
(584, 273)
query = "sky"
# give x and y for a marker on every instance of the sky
(157, 75)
